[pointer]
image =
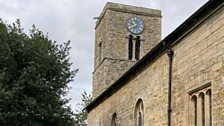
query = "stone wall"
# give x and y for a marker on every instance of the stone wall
(108, 72)
(112, 34)
(150, 86)
(198, 60)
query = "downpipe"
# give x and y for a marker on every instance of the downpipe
(170, 54)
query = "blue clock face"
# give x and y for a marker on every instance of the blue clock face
(135, 25)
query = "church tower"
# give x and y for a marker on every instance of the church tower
(123, 35)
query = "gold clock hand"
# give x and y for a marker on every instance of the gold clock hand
(132, 26)
(133, 22)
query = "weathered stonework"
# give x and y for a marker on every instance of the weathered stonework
(198, 62)
(111, 42)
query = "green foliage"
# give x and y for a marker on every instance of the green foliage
(81, 114)
(34, 73)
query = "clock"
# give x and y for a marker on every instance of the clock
(135, 25)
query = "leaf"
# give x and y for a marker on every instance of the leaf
(34, 77)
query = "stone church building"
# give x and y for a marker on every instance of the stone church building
(141, 80)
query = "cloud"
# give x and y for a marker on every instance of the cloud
(174, 12)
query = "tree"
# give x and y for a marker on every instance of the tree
(81, 114)
(34, 73)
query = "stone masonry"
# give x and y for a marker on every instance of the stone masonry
(198, 62)
(111, 41)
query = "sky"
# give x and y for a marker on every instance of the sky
(65, 20)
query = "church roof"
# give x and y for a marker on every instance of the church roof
(173, 38)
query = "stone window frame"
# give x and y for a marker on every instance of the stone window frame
(100, 50)
(201, 99)
(114, 119)
(134, 47)
(139, 113)
(130, 47)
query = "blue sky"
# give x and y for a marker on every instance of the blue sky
(73, 20)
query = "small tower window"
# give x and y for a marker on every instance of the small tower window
(137, 48)
(100, 51)
(130, 47)
(134, 45)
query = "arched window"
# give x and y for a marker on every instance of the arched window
(194, 107)
(114, 120)
(139, 113)
(100, 51)
(134, 46)
(201, 107)
(130, 47)
(137, 48)
(209, 107)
